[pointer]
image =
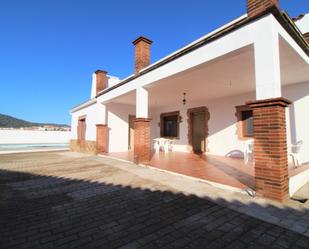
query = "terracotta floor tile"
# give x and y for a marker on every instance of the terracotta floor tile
(224, 170)
(228, 171)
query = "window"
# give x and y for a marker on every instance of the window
(169, 124)
(81, 128)
(245, 121)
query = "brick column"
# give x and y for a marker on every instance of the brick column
(102, 139)
(142, 150)
(270, 148)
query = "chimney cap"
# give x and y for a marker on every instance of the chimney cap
(142, 38)
(100, 71)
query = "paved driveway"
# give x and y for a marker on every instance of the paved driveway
(66, 200)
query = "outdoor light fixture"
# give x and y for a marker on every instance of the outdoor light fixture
(184, 101)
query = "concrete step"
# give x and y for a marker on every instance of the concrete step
(302, 195)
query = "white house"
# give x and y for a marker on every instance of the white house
(246, 81)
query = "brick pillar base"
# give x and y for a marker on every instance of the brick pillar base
(270, 148)
(142, 150)
(102, 131)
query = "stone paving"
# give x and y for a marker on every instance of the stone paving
(68, 200)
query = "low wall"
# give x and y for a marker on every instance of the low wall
(28, 137)
(298, 181)
(83, 146)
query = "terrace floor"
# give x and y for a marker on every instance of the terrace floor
(228, 171)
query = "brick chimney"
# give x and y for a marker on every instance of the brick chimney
(101, 80)
(256, 7)
(142, 53)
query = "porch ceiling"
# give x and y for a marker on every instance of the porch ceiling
(293, 68)
(228, 75)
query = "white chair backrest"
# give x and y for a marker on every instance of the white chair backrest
(300, 142)
(298, 146)
(248, 146)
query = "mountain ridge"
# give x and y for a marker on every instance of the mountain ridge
(7, 121)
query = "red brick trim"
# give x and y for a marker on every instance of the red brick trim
(269, 102)
(190, 111)
(142, 149)
(102, 138)
(240, 123)
(82, 117)
(270, 148)
(143, 119)
(81, 128)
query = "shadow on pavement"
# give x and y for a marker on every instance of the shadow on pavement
(38, 211)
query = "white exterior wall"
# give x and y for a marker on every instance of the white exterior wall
(222, 138)
(93, 86)
(91, 120)
(31, 137)
(222, 125)
(118, 126)
(297, 116)
(222, 130)
(111, 81)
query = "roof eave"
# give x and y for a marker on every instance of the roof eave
(281, 17)
(83, 105)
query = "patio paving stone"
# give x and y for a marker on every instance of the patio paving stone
(69, 200)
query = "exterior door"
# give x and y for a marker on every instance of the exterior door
(198, 132)
(131, 132)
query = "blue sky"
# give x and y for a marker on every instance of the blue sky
(49, 48)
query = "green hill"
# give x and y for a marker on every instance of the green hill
(7, 121)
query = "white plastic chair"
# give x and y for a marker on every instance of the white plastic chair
(294, 153)
(156, 145)
(248, 151)
(170, 145)
(165, 145)
(162, 143)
